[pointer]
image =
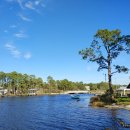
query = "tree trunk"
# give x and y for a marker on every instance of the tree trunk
(110, 81)
(109, 75)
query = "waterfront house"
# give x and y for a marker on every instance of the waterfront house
(32, 91)
(87, 88)
(124, 90)
(3, 91)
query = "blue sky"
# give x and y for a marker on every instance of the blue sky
(43, 37)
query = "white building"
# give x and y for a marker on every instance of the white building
(32, 92)
(3, 91)
(87, 88)
(124, 90)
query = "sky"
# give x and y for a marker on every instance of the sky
(44, 37)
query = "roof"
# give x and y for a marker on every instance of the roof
(123, 88)
(128, 85)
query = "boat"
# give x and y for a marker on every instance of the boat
(75, 96)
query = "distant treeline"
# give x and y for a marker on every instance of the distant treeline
(101, 86)
(18, 84)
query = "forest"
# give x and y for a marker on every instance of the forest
(19, 84)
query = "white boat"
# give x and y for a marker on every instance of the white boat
(75, 96)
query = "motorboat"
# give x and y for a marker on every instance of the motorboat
(75, 96)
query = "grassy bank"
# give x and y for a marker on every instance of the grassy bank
(123, 101)
(112, 103)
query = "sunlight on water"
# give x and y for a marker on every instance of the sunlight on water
(58, 112)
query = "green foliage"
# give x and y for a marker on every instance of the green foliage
(69, 85)
(107, 98)
(18, 84)
(106, 42)
(101, 86)
(52, 87)
(102, 100)
(92, 86)
(123, 100)
(96, 102)
(106, 47)
(94, 99)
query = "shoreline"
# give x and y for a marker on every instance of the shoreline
(40, 94)
(113, 106)
(127, 107)
(24, 95)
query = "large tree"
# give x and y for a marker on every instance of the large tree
(106, 47)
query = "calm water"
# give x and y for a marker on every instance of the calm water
(56, 113)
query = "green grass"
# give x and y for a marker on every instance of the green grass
(123, 99)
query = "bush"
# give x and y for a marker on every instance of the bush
(98, 104)
(107, 99)
(94, 99)
(123, 101)
(100, 101)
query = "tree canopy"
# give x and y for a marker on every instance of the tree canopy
(19, 84)
(107, 46)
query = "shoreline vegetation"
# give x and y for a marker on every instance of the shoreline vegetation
(20, 84)
(104, 101)
(17, 84)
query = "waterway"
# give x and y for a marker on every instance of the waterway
(57, 112)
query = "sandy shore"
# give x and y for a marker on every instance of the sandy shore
(114, 106)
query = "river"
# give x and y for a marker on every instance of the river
(57, 112)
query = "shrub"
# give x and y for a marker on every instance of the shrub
(94, 99)
(98, 104)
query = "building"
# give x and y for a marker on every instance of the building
(87, 88)
(3, 91)
(124, 90)
(32, 91)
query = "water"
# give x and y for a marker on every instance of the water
(58, 112)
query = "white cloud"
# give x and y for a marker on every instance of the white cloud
(35, 5)
(20, 34)
(13, 50)
(37, 2)
(20, 3)
(27, 55)
(24, 18)
(30, 5)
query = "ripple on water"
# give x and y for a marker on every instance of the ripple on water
(57, 112)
